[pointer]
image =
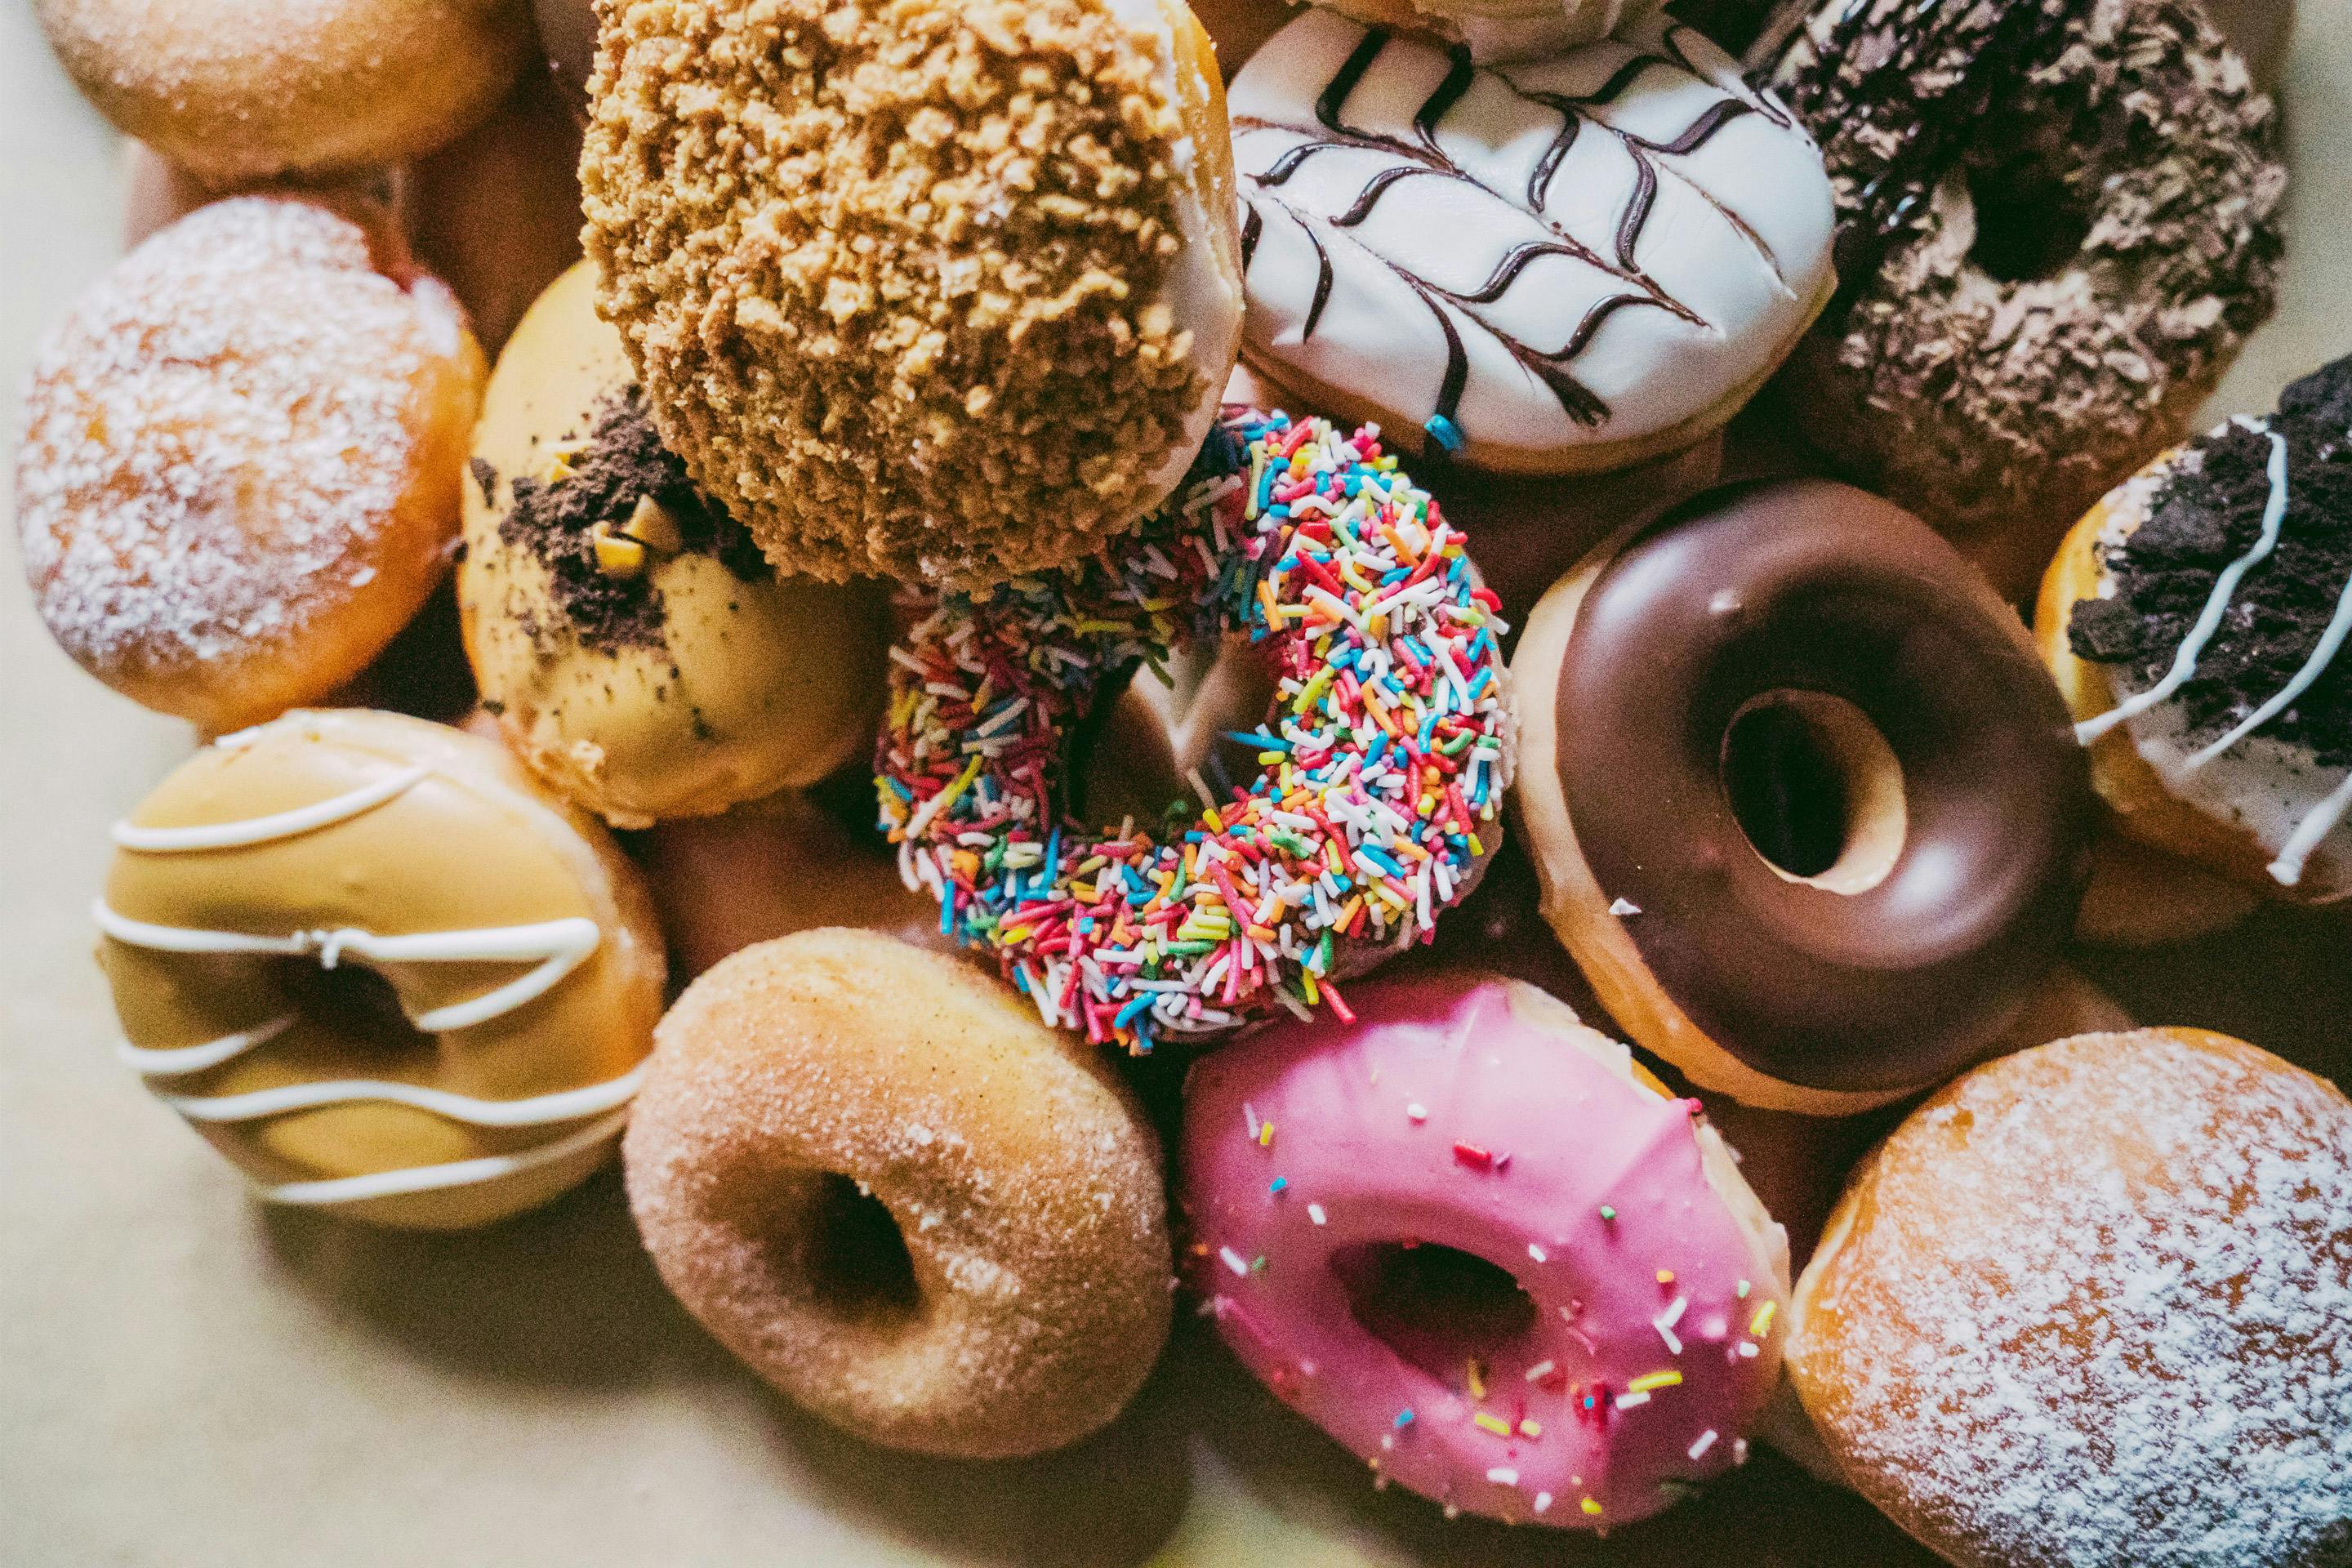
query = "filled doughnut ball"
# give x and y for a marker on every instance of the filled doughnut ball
(2092, 1305)
(1803, 804)
(2197, 621)
(876, 1178)
(246, 90)
(1477, 1244)
(381, 969)
(638, 650)
(242, 456)
(1568, 266)
(947, 292)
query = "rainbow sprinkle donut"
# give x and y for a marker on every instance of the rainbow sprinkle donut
(1382, 764)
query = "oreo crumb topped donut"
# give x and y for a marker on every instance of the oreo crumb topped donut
(947, 292)
(2197, 620)
(2059, 221)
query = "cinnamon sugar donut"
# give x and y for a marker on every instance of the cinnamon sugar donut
(240, 474)
(2058, 222)
(245, 90)
(878, 1178)
(948, 291)
(2091, 1306)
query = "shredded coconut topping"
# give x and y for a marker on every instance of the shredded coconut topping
(215, 429)
(2099, 1310)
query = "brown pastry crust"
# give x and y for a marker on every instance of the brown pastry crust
(1972, 370)
(245, 90)
(1021, 1179)
(905, 290)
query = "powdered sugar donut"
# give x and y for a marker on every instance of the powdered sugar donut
(1474, 1242)
(2092, 1305)
(1381, 766)
(1559, 267)
(242, 456)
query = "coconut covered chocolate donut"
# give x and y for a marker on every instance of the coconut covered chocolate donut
(638, 650)
(242, 458)
(2197, 621)
(1477, 1244)
(1381, 764)
(1803, 802)
(379, 969)
(1564, 266)
(947, 291)
(874, 1176)
(2092, 1305)
(2057, 224)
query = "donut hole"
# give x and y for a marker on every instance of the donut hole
(1816, 789)
(362, 1005)
(2027, 226)
(1436, 1306)
(856, 1255)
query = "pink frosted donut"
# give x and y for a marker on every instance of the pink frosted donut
(1471, 1239)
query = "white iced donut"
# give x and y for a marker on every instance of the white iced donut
(1561, 267)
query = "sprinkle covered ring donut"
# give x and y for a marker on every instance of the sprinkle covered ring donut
(1804, 806)
(1383, 764)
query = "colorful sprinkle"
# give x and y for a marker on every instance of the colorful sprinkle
(1474, 1157)
(1706, 1440)
(1351, 581)
(1607, 1213)
(1314, 1212)
(1490, 1423)
(1761, 1323)
(1403, 1418)
(1653, 1379)
(1234, 1261)
(1536, 1251)
(1589, 1506)
(1503, 1475)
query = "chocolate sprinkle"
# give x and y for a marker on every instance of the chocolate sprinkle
(623, 462)
(2207, 511)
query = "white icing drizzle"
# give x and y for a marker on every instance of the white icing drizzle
(2208, 620)
(2331, 643)
(562, 944)
(1578, 250)
(265, 829)
(181, 1060)
(2310, 833)
(539, 1110)
(437, 1178)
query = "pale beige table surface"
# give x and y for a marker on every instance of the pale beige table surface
(187, 1380)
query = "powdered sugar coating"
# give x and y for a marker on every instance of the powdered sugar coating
(2095, 1307)
(216, 430)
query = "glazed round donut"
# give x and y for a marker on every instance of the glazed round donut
(640, 653)
(1803, 804)
(2034, 306)
(969, 316)
(876, 1177)
(1394, 1236)
(242, 456)
(379, 969)
(1443, 251)
(251, 88)
(2197, 621)
(2092, 1305)
(1381, 767)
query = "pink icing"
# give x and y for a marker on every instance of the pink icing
(1443, 1116)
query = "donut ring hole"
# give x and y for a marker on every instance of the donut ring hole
(1436, 1306)
(1816, 790)
(2028, 225)
(854, 1254)
(360, 1003)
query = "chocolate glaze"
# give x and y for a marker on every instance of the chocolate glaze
(1811, 585)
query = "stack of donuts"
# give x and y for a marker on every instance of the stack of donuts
(980, 547)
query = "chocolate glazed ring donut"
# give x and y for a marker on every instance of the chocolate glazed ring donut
(1803, 802)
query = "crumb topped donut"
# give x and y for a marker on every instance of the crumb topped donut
(638, 650)
(947, 290)
(2197, 620)
(242, 457)
(2058, 222)
(874, 1176)
(246, 89)
(2091, 1306)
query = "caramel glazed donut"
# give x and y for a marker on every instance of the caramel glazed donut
(259, 888)
(2058, 222)
(876, 1176)
(1802, 803)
